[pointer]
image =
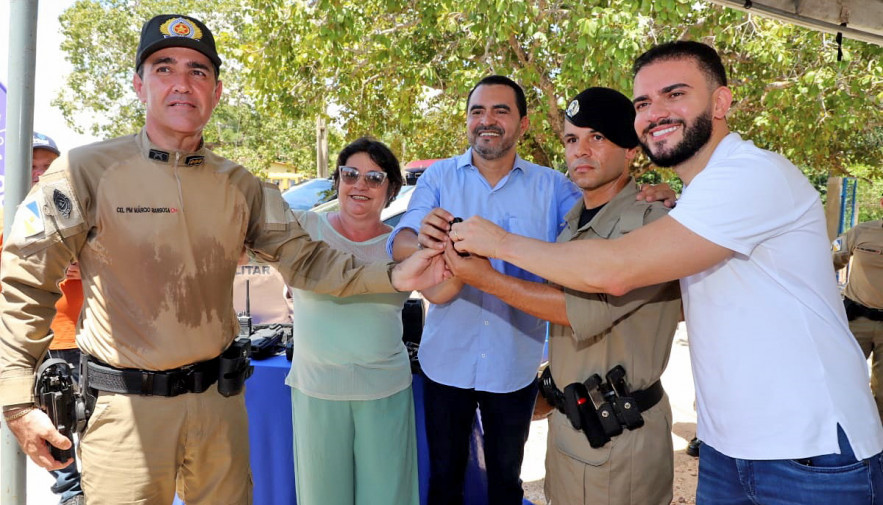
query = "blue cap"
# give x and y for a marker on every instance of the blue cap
(44, 142)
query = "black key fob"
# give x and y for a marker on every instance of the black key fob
(451, 222)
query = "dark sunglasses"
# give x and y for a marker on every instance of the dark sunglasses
(350, 175)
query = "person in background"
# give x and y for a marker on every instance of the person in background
(863, 295)
(64, 325)
(64, 346)
(352, 409)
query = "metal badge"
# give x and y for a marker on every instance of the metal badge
(157, 155)
(62, 203)
(194, 161)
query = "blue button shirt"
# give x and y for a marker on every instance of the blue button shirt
(476, 341)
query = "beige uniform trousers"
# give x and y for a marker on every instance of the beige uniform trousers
(869, 334)
(634, 468)
(142, 449)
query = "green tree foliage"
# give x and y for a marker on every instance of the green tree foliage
(101, 37)
(401, 69)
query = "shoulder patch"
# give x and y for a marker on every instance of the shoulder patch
(837, 245)
(28, 220)
(62, 204)
(275, 211)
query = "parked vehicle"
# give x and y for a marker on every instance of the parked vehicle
(414, 170)
(390, 215)
(308, 194)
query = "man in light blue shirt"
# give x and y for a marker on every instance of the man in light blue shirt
(477, 351)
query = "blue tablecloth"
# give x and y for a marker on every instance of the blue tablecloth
(268, 401)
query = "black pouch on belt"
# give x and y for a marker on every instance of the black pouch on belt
(602, 408)
(580, 411)
(234, 367)
(624, 405)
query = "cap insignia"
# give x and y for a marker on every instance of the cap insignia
(180, 27)
(573, 108)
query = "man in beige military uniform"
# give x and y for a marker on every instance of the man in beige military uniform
(157, 223)
(593, 333)
(863, 296)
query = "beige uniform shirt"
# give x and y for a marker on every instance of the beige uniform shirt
(634, 330)
(157, 236)
(864, 243)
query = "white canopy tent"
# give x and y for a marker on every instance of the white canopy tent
(855, 19)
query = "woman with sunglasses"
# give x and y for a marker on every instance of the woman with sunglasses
(353, 414)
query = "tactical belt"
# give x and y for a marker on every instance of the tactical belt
(601, 409)
(645, 399)
(855, 310)
(194, 378)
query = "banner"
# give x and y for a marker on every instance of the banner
(2, 147)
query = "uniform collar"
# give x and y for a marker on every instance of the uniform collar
(154, 153)
(601, 224)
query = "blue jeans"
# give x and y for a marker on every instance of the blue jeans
(67, 480)
(822, 480)
(505, 418)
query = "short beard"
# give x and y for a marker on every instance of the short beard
(696, 136)
(491, 153)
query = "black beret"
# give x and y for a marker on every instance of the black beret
(174, 30)
(606, 111)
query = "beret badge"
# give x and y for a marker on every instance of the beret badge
(180, 27)
(573, 108)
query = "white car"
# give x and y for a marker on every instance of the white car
(390, 215)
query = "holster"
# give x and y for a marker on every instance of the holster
(56, 394)
(235, 367)
(601, 409)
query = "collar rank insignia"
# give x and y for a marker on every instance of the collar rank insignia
(194, 161)
(62, 203)
(573, 108)
(157, 155)
(180, 27)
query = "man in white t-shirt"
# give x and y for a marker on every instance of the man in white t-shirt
(785, 411)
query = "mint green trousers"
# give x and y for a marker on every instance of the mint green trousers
(355, 452)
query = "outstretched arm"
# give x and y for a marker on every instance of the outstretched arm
(535, 298)
(423, 269)
(661, 251)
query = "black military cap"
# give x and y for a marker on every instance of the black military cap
(175, 30)
(606, 111)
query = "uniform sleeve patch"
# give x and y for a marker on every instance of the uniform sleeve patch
(275, 215)
(62, 204)
(29, 218)
(837, 245)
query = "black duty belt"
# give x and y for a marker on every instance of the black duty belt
(194, 378)
(855, 310)
(601, 409)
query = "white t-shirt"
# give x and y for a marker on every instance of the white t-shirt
(775, 366)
